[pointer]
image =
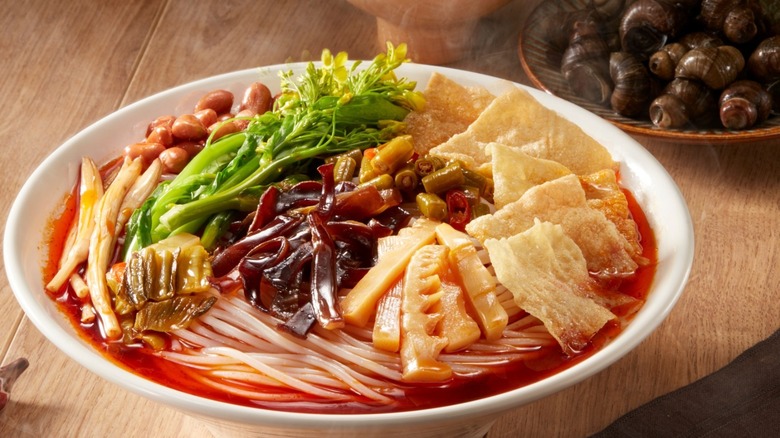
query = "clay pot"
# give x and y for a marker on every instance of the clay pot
(435, 31)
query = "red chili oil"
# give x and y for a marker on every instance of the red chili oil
(550, 361)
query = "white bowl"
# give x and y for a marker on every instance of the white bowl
(652, 186)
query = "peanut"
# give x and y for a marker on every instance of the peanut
(188, 127)
(160, 134)
(192, 147)
(257, 98)
(174, 159)
(206, 116)
(221, 129)
(166, 121)
(221, 101)
(147, 151)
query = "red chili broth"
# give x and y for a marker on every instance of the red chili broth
(140, 361)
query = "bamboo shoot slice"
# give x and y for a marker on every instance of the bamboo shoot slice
(387, 323)
(456, 325)
(420, 347)
(360, 303)
(478, 283)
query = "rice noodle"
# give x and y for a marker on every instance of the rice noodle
(199, 334)
(238, 349)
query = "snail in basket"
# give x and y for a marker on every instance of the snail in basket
(678, 63)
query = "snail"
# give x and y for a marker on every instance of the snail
(607, 9)
(682, 102)
(715, 66)
(608, 13)
(737, 20)
(646, 25)
(743, 104)
(556, 26)
(663, 62)
(764, 61)
(634, 87)
(585, 63)
(698, 40)
(773, 89)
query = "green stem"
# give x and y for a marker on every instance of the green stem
(229, 199)
(211, 154)
(215, 227)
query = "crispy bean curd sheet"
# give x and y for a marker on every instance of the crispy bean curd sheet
(449, 107)
(562, 201)
(561, 221)
(517, 120)
(547, 274)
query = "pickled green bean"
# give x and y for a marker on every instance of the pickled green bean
(431, 206)
(393, 154)
(444, 179)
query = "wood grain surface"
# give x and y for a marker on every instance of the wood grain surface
(67, 64)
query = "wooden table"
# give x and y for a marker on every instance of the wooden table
(67, 64)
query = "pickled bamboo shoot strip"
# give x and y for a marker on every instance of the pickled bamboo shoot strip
(360, 303)
(420, 347)
(102, 242)
(141, 189)
(387, 322)
(90, 191)
(456, 325)
(477, 281)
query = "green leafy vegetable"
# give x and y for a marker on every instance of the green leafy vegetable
(329, 110)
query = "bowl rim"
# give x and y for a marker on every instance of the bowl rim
(669, 287)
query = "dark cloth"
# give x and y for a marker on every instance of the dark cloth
(740, 400)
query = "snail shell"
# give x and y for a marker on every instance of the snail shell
(774, 92)
(634, 87)
(607, 9)
(608, 13)
(663, 62)
(716, 67)
(556, 26)
(744, 104)
(698, 40)
(585, 63)
(736, 19)
(683, 101)
(646, 25)
(764, 62)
